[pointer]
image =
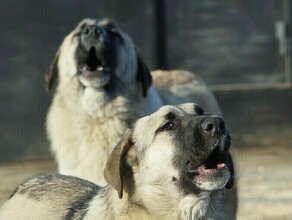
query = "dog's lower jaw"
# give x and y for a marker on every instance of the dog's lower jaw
(209, 183)
(92, 79)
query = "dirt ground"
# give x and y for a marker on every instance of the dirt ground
(264, 178)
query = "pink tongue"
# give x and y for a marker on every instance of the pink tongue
(220, 166)
(205, 173)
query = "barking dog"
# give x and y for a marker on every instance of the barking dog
(172, 164)
(103, 86)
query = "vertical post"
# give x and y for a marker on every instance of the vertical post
(160, 31)
(287, 9)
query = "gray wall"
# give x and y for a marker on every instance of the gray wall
(226, 42)
(233, 45)
(31, 34)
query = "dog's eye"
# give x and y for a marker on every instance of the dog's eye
(168, 126)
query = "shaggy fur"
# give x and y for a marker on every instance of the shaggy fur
(103, 86)
(172, 164)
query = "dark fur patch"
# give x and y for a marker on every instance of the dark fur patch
(199, 110)
(170, 116)
(76, 193)
(105, 53)
(79, 208)
(53, 74)
(143, 75)
(192, 145)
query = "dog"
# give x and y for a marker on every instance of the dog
(172, 164)
(103, 86)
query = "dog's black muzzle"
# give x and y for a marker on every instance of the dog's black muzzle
(93, 36)
(209, 150)
(213, 131)
(210, 135)
(213, 126)
(95, 55)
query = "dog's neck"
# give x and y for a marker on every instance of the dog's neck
(97, 105)
(108, 206)
(188, 207)
(168, 206)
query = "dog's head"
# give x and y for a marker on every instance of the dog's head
(179, 149)
(99, 55)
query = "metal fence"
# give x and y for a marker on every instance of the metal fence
(237, 46)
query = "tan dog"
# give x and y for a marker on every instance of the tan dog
(103, 86)
(172, 164)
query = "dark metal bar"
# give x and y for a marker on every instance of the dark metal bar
(160, 39)
(287, 9)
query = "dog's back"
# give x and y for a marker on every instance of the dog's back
(180, 86)
(51, 196)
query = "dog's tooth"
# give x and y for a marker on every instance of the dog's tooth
(84, 67)
(100, 68)
(220, 166)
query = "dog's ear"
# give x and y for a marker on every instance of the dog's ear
(115, 169)
(230, 182)
(53, 74)
(143, 75)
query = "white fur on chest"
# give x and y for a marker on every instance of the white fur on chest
(93, 101)
(85, 147)
(83, 141)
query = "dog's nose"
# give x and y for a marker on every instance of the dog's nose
(213, 126)
(92, 31)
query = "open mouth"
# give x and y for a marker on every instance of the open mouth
(93, 64)
(93, 69)
(216, 160)
(213, 172)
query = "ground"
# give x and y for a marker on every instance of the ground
(263, 173)
(265, 183)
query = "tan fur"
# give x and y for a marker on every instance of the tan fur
(140, 172)
(179, 86)
(84, 126)
(165, 79)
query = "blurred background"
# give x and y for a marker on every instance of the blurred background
(242, 48)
